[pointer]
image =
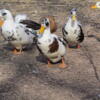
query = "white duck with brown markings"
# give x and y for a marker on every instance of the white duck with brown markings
(15, 32)
(51, 45)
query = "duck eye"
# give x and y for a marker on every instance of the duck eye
(71, 12)
(47, 24)
(3, 14)
(42, 21)
(45, 20)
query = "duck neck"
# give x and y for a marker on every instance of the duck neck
(10, 19)
(72, 22)
(8, 25)
(8, 22)
(47, 31)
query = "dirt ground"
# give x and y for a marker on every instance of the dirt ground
(27, 77)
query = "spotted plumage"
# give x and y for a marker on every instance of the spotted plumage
(72, 30)
(15, 31)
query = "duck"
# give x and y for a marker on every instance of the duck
(72, 31)
(97, 5)
(18, 34)
(51, 46)
(53, 24)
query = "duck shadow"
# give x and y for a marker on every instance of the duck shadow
(93, 36)
(41, 58)
(9, 47)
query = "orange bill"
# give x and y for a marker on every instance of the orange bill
(1, 22)
(41, 29)
(73, 17)
(94, 6)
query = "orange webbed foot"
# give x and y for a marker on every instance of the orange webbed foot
(49, 64)
(15, 51)
(78, 46)
(62, 65)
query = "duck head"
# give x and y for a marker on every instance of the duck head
(97, 5)
(52, 23)
(45, 24)
(5, 15)
(73, 14)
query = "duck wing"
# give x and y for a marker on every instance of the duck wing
(81, 35)
(31, 24)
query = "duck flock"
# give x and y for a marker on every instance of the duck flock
(21, 32)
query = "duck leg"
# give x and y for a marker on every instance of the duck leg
(62, 65)
(78, 46)
(49, 64)
(17, 52)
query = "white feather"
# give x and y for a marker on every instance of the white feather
(20, 17)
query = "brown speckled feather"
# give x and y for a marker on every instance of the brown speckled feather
(54, 46)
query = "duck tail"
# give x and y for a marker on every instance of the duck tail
(20, 17)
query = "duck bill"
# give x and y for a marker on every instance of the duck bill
(1, 22)
(41, 30)
(73, 17)
(94, 6)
